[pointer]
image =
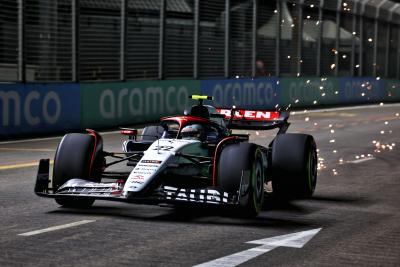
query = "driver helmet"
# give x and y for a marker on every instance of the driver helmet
(193, 131)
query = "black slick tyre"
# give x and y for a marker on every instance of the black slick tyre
(294, 166)
(241, 165)
(73, 160)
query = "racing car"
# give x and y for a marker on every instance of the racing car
(190, 158)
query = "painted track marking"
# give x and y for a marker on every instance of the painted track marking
(27, 149)
(55, 228)
(21, 165)
(360, 160)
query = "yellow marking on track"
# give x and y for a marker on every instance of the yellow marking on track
(26, 149)
(21, 165)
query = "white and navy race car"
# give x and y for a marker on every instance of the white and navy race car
(194, 158)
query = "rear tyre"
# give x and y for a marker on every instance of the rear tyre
(73, 160)
(243, 163)
(294, 166)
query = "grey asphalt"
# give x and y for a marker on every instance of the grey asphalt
(356, 203)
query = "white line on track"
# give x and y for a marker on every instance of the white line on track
(360, 160)
(55, 228)
(296, 113)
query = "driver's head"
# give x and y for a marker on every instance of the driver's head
(193, 131)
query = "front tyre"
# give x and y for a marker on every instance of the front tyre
(241, 170)
(75, 158)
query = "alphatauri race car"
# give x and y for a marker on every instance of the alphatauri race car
(192, 158)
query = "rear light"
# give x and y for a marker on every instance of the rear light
(132, 133)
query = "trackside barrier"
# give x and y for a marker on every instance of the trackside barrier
(38, 109)
(28, 109)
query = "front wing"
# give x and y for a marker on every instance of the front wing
(113, 191)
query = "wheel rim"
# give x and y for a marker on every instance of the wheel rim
(312, 170)
(258, 183)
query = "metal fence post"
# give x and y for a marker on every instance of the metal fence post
(196, 39)
(319, 41)
(337, 41)
(360, 57)
(75, 40)
(353, 41)
(376, 32)
(388, 39)
(254, 39)
(300, 43)
(163, 9)
(124, 10)
(398, 55)
(21, 42)
(227, 37)
(278, 39)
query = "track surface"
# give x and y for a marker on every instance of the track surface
(357, 205)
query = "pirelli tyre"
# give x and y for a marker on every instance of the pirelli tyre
(294, 165)
(241, 170)
(73, 159)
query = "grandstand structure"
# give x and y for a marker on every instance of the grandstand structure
(126, 40)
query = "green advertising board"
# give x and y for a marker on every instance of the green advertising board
(308, 92)
(112, 104)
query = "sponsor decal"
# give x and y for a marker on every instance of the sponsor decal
(35, 108)
(196, 195)
(252, 93)
(256, 115)
(150, 161)
(164, 148)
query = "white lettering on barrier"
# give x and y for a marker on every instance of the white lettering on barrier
(135, 109)
(107, 114)
(6, 98)
(11, 103)
(151, 100)
(31, 120)
(247, 93)
(51, 96)
(122, 95)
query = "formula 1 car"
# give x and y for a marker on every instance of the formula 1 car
(194, 158)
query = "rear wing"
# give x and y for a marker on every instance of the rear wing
(255, 119)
